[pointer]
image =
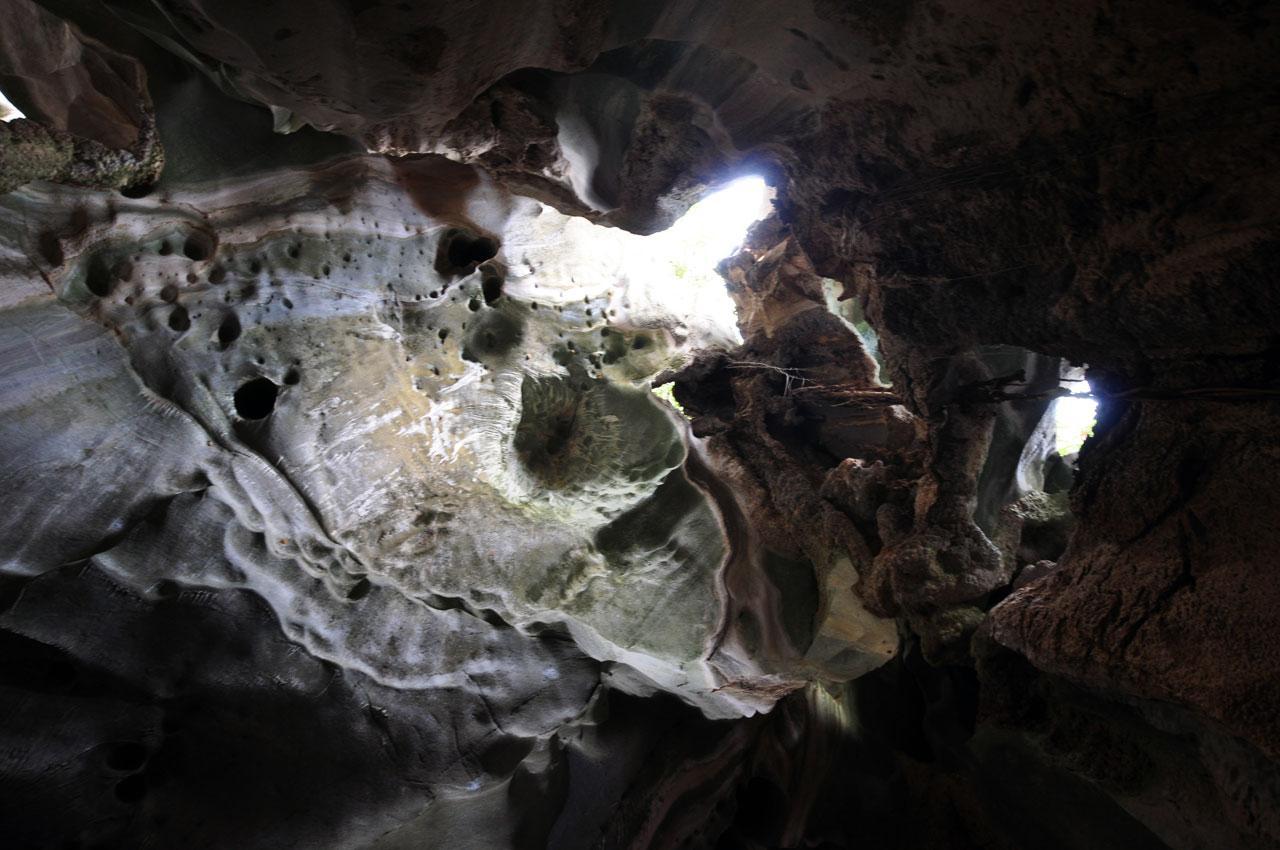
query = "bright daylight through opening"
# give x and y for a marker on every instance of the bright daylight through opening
(709, 232)
(691, 247)
(716, 225)
(8, 111)
(1074, 417)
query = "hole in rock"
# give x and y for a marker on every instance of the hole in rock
(710, 231)
(492, 289)
(229, 331)
(359, 590)
(464, 252)
(98, 278)
(461, 251)
(715, 226)
(1075, 415)
(9, 112)
(687, 288)
(138, 190)
(256, 399)
(197, 247)
(179, 319)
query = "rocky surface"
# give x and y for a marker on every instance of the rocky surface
(340, 512)
(88, 112)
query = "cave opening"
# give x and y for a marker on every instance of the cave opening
(710, 231)
(712, 228)
(693, 291)
(8, 111)
(1074, 415)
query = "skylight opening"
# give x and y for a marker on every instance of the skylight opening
(649, 303)
(688, 286)
(689, 251)
(715, 226)
(1074, 416)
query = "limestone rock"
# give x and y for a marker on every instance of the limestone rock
(329, 448)
(89, 117)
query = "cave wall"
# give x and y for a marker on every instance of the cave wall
(328, 444)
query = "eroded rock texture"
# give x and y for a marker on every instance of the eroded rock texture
(340, 512)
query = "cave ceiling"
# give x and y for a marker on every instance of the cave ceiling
(382, 469)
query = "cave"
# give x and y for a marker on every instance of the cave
(592, 425)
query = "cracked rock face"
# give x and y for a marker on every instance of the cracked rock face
(340, 511)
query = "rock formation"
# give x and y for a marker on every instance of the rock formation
(342, 511)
